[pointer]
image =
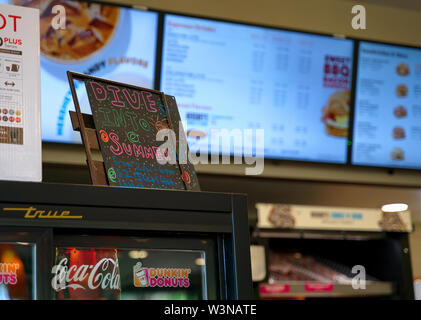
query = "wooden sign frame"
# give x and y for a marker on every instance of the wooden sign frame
(84, 123)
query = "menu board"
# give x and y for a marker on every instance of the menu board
(295, 86)
(387, 125)
(100, 40)
(127, 120)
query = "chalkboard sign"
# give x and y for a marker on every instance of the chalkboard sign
(124, 126)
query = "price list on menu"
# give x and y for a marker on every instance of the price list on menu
(294, 86)
(387, 126)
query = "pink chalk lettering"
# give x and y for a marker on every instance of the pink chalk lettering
(99, 91)
(138, 151)
(127, 149)
(133, 102)
(117, 149)
(157, 152)
(166, 154)
(149, 104)
(148, 152)
(116, 102)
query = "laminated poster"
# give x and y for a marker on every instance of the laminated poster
(20, 124)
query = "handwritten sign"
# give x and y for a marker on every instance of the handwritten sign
(127, 120)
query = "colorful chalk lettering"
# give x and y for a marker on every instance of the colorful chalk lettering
(127, 121)
(112, 174)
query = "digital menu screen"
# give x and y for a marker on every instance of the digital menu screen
(387, 122)
(100, 40)
(295, 86)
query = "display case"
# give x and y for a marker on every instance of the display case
(306, 252)
(385, 258)
(83, 242)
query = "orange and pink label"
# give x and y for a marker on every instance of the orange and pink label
(8, 273)
(319, 287)
(274, 288)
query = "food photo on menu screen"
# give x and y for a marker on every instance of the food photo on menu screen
(100, 40)
(295, 86)
(387, 125)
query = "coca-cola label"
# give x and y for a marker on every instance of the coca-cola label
(102, 275)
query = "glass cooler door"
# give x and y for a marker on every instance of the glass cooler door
(18, 266)
(127, 268)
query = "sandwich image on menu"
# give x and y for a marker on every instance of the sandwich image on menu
(336, 114)
(401, 90)
(397, 154)
(402, 69)
(399, 133)
(400, 112)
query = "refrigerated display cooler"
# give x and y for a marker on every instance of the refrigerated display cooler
(83, 242)
(304, 252)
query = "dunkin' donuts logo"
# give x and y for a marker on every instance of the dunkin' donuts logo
(160, 277)
(8, 273)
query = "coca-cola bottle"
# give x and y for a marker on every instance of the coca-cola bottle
(86, 274)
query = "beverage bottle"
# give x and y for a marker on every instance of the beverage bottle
(86, 274)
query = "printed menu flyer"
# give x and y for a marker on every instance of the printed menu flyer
(20, 124)
(387, 126)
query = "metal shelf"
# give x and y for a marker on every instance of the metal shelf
(308, 289)
(316, 234)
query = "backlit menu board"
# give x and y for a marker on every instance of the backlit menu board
(102, 40)
(295, 86)
(387, 123)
